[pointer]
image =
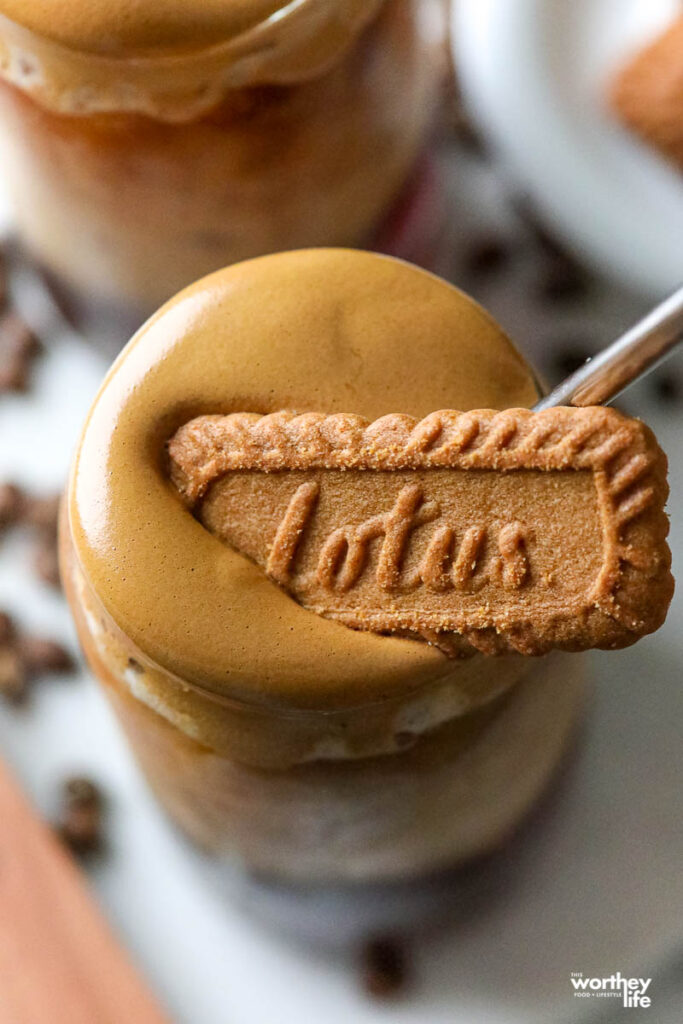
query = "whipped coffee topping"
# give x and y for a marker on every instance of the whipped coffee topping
(174, 59)
(139, 26)
(318, 329)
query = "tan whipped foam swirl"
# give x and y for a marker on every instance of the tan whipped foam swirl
(330, 329)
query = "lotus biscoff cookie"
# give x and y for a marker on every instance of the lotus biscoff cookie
(484, 530)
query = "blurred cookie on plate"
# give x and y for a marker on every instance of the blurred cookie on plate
(647, 93)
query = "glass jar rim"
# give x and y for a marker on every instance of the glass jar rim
(298, 41)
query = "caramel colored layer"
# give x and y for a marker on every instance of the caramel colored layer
(458, 794)
(330, 329)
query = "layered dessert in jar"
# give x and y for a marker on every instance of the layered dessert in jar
(149, 143)
(331, 605)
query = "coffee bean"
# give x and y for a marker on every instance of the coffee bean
(46, 562)
(43, 657)
(81, 790)
(18, 347)
(24, 657)
(80, 823)
(42, 513)
(383, 967)
(487, 255)
(4, 282)
(562, 279)
(667, 388)
(11, 504)
(7, 629)
(13, 675)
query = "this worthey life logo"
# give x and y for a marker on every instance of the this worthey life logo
(633, 991)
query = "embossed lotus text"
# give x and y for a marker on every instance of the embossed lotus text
(446, 564)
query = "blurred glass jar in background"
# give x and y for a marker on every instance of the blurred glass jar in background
(147, 145)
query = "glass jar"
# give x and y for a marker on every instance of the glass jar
(307, 749)
(311, 797)
(140, 159)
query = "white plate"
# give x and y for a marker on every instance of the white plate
(535, 73)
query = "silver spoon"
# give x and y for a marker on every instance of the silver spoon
(625, 361)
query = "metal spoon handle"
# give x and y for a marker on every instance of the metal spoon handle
(625, 361)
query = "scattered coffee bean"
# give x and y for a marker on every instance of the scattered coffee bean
(24, 658)
(7, 629)
(43, 656)
(42, 513)
(667, 388)
(4, 282)
(80, 822)
(384, 969)
(13, 675)
(46, 562)
(11, 504)
(562, 280)
(487, 255)
(18, 347)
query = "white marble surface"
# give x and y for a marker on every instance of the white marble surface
(596, 884)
